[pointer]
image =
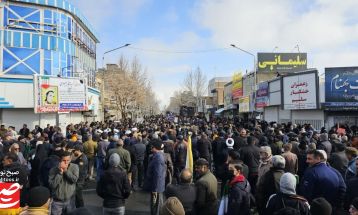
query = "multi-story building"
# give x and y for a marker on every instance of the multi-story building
(45, 37)
(216, 91)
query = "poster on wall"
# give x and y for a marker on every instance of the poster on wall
(57, 94)
(237, 85)
(282, 62)
(262, 96)
(300, 91)
(341, 88)
(244, 104)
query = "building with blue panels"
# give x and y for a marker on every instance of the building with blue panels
(46, 37)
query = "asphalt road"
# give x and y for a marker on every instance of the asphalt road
(136, 204)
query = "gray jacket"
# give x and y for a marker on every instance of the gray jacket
(63, 186)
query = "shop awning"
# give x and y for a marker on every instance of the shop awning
(231, 107)
(219, 111)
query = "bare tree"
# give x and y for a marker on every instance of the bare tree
(128, 88)
(196, 83)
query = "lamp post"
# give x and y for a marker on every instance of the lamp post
(255, 70)
(103, 81)
(112, 50)
(249, 53)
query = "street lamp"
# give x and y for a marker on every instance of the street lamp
(112, 50)
(255, 71)
(249, 53)
(104, 82)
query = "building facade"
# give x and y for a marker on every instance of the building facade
(43, 37)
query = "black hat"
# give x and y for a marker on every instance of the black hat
(180, 137)
(157, 144)
(38, 196)
(78, 147)
(201, 162)
(320, 206)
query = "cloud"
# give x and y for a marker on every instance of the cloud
(324, 29)
(109, 12)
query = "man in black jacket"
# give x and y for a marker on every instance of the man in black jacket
(185, 191)
(250, 155)
(113, 187)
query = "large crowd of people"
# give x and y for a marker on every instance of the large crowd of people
(240, 166)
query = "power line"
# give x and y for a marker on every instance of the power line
(177, 51)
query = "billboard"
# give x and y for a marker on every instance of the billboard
(300, 91)
(244, 104)
(56, 94)
(262, 96)
(341, 88)
(237, 85)
(281, 62)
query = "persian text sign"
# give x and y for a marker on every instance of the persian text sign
(237, 86)
(341, 87)
(56, 94)
(300, 91)
(244, 104)
(282, 62)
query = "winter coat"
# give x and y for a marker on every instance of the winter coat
(250, 155)
(63, 185)
(339, 161)
(113, 187)
(124, 155)
(206, 199)
(321, 180)
(239, 197)
(155, 180)
(351, 171)
(269, 184)
(291, 162)
(352, 191)
(280, 200)
(264, 167)
(204, 149)
(186, 193)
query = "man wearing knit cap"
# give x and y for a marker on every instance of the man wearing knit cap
(287, 197)
(38, 201)
(114, 187)
(269, 183)
(320, 206)
(124, 154)
(172, 206)
(155, 180)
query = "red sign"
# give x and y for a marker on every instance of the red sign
(9, 195)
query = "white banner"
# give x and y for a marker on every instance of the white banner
(56, 94)
(300, 91)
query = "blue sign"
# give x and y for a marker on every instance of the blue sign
(71, 105)
(341, 87)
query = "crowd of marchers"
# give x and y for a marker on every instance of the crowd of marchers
(240, 167)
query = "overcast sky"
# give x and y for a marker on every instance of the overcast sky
(326, 29)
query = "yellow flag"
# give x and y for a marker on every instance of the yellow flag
(189, 156)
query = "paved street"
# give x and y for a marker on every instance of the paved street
(137, 204)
